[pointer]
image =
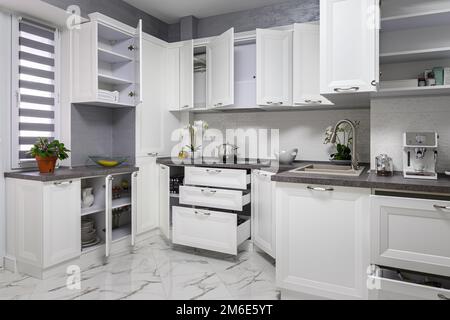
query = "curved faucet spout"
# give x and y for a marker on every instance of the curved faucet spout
(355, 163)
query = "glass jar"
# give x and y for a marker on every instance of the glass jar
(384, 165)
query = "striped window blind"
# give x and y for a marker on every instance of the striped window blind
(36, 86)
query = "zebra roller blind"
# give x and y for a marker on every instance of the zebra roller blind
(36, 86)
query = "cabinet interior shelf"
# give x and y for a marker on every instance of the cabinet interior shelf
(112, 57)
(107, 79)
(415, 55)
(105, 104)
(116, 204)
(416, 20)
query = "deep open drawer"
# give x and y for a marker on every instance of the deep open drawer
(210, 230)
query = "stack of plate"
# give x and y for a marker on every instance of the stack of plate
(89, 236)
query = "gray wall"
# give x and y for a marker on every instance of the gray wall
(121, 11)
(265, 17)
(102, 131)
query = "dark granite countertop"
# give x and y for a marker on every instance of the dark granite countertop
(65, 173)
(369, 180)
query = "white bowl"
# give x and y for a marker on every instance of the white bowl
(287, 157)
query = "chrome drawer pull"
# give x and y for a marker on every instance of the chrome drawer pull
(320, 189)
(314, 101)
(62, 183)
(213, 171)
(153, 154)
(210, 191)
(274, 103)
(436, 206)
(346, 89)
(443, 297)
(203, 213)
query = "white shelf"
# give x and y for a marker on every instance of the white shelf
(121, 232)
(415, 55)
(416, 20)
(121, 202)
(116, 204)
(112, 57)
(105, 104)
(113, 80)
(413, 91)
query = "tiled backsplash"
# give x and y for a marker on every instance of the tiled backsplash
(390, 118)
(298, 129)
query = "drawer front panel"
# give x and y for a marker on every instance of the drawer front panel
(411, 234)
(204, 229)
(213, 198)
(219, 178)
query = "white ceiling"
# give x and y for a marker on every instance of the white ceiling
(171, 11)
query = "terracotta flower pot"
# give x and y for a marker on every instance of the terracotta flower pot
(46, 165)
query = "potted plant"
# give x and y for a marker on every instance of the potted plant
(47, 153)
(344, 140)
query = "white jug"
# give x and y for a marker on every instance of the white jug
(87, 198)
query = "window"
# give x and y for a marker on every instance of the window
(35, 89)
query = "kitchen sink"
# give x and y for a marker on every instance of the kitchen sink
(329, 169)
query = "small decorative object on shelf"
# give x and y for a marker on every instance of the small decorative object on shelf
(87, 198)
(116, 192)
(108, 162)
(48, 153)
(422, 82)
(125, 184)
(431, 81)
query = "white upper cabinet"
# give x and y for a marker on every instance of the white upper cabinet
(349, 46)
(106, 63)
(307, 66)
(187, 75)
(274, 67)
(172, 78)
(220, 61)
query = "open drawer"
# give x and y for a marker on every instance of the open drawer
(214, 198)
(209, 230)
(411, 234)
(218, 178)
(390, 284)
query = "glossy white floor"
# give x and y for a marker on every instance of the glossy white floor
(158, 271)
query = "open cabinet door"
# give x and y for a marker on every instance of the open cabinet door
(138, 94)
(220, 65)
(274, 67)
(187, 75)
(164, 201)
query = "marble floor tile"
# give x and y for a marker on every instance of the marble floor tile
(157, 270)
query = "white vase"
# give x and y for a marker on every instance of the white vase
(87, 198)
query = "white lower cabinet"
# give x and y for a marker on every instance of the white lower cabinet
(164, 201)
(263, 213)
(147, 195)
(209, 230)
(45, 224)
(322, 240)
(411, 234)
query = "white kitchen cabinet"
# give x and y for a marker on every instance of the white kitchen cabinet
(263, 213)
(45, 224)
(147, 195)
(214, 198)
(106, 57)
(217, 177)
(274, 67)
(187, 75)
(306, 66)
(220, 68)
(322, 240)
(164, 201)
(349, 51)
(411, 234)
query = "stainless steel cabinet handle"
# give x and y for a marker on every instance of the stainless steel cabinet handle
(313, 101)
(185, 107)
(197, 212)
(63, 183)
(274, 103)
(153, 154)
(210, 191)
(373, 83)
(443, 297)
(213, 171)
(436, 206)
(320, 189)
(346, 89)
(218, 104)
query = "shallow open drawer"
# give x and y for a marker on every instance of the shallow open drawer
(390, 284)
(210, 230)
(214, 198)
(218, 178)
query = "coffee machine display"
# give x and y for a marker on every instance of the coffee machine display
(420, 155)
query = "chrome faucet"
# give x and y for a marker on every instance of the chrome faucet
(355, 163)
